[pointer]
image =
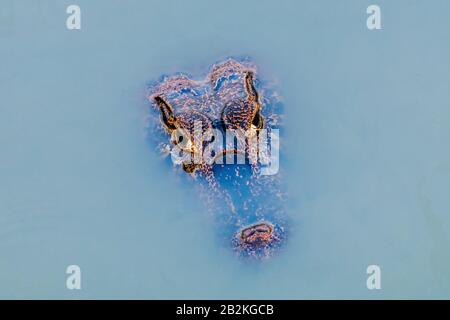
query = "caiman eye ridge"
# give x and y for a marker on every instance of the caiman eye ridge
(195, 116)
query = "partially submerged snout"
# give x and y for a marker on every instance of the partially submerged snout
(257, 235)
(258, 240)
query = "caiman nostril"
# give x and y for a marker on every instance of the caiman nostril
(257, 234)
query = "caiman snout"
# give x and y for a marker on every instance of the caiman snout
(257, 235)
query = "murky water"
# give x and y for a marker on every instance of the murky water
(367, 161)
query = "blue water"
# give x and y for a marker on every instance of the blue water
(367, 129)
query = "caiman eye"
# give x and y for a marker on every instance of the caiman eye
(253, 98)
(167, 115)
(258, 121)
(181, 138)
